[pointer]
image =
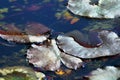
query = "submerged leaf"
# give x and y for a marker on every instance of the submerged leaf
(87, 40)
(36, 29)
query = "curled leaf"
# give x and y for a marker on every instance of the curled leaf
(71, 61)
(87, 40)
(110, 46)
(35, 32)
(15, 37)
(50, 57)
(44, 57)
(22, 38)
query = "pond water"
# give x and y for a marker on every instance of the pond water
(53, 14)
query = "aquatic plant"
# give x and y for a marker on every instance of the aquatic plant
(48, 53)
(1, 16)
(49, 57)
(99, 26)
(104, 8)
(19, 37)
(67, 16)
(109, 73)
(3, 10)
(16, 58)
(45, 55)
(89, 39)
(20, 73)
(109, 46)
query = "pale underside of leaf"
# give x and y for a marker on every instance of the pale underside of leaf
(110, 46)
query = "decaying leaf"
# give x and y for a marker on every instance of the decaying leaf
(71, 61)
(35, 32)
(109, 73)
(87, 40)
(45, 57)
(109, 46)
(101, 10)
(22, 38)
(49, 57)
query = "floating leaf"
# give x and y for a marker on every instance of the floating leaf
(12, 33)
(109, 46)
(71, 61)
(49, 57)
(45, 57)
(20, 73)
(22, 38)
(109, 73)
(102, 10)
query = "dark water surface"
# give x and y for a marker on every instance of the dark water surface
(21, 12)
